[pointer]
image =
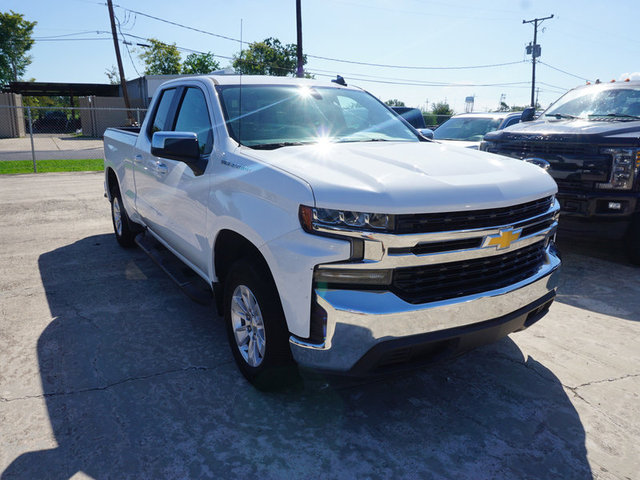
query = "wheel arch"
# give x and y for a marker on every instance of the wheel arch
(112, 182)
(230, 247)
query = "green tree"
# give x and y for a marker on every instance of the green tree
(200, 63)
(441, 111)
(395, 103)
(269, 57)
(15, 41)
(161, 58)
(441, 108)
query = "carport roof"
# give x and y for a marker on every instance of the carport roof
(37, 89)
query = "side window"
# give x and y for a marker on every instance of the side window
(160, 118)
(194, 117)
(511, 121)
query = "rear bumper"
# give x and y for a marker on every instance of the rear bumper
(364, 328)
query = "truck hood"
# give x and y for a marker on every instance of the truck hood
(459, 143)
(403, 177)
(569, 130)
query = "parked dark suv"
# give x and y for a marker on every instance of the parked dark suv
(589, 140)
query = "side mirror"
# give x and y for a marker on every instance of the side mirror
(426, 132)
(528, 114)
(181, 146)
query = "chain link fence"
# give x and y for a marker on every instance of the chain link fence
(59, 132)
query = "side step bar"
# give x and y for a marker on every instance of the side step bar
(188, 281)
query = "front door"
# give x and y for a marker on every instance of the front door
(172, 195)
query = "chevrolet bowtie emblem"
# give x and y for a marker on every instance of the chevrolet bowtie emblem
(502, 239)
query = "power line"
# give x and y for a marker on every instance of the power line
(47, 37)
(412, 67)
(180, 24)
(67, 39)
(127, 47)
(563, 71)
(354, 62)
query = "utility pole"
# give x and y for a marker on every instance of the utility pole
(123, 82)
(535, 51)
(300, 68)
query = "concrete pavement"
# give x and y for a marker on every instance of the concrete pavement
(108, 371)
(51, 147)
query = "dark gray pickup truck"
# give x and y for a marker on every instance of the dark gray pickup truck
(590, 142)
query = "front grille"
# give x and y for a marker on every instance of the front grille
(431, 283)
(493, 217)
(531, 148)
(564, 184)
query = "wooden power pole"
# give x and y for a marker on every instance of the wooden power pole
(535, 53)
(123, 82)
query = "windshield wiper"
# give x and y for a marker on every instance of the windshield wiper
(615, 115)
(273, 146)
(352, 140)
(560, 115)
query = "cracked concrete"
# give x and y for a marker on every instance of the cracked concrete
(108, 371)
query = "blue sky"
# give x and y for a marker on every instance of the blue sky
(587, 39)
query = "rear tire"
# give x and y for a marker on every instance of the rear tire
(256, 327)
(125, 235)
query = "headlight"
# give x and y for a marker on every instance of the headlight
(625, 163)
(313, 219)
(488, 146)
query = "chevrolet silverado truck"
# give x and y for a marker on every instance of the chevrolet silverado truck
(329, 232)
(589, 140)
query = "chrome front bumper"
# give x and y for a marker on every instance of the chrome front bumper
(358, 320)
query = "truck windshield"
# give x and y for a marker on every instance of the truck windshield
(598, 101)
(471, 129)
(273, 116)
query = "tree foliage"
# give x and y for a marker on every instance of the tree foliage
(15, 41)
(269, 57)
(161, 58)
(395, 103)
(113, 75)
(196, 63)
(441, 108)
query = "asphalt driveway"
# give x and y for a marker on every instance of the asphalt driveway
(108, 371)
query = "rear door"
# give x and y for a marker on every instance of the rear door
(175, 193)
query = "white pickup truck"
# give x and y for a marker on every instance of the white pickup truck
(330, 232)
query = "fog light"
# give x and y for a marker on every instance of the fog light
(353, 276)
(615, 206)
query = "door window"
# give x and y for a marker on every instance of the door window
(193, 116)
(162, 112)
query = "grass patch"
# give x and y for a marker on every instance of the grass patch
(26, 166)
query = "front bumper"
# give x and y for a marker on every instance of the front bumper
(604, 215)
(360, 321)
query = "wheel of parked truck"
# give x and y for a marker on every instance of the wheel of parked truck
(121, 223)
(633, 240)
(256, 327)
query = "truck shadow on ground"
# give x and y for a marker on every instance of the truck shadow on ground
(139, 383)
(597, 276)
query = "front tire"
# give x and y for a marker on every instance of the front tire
(256, 327)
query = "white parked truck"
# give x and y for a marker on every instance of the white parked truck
(330, 233)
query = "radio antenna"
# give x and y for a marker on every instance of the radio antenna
(240, 114)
